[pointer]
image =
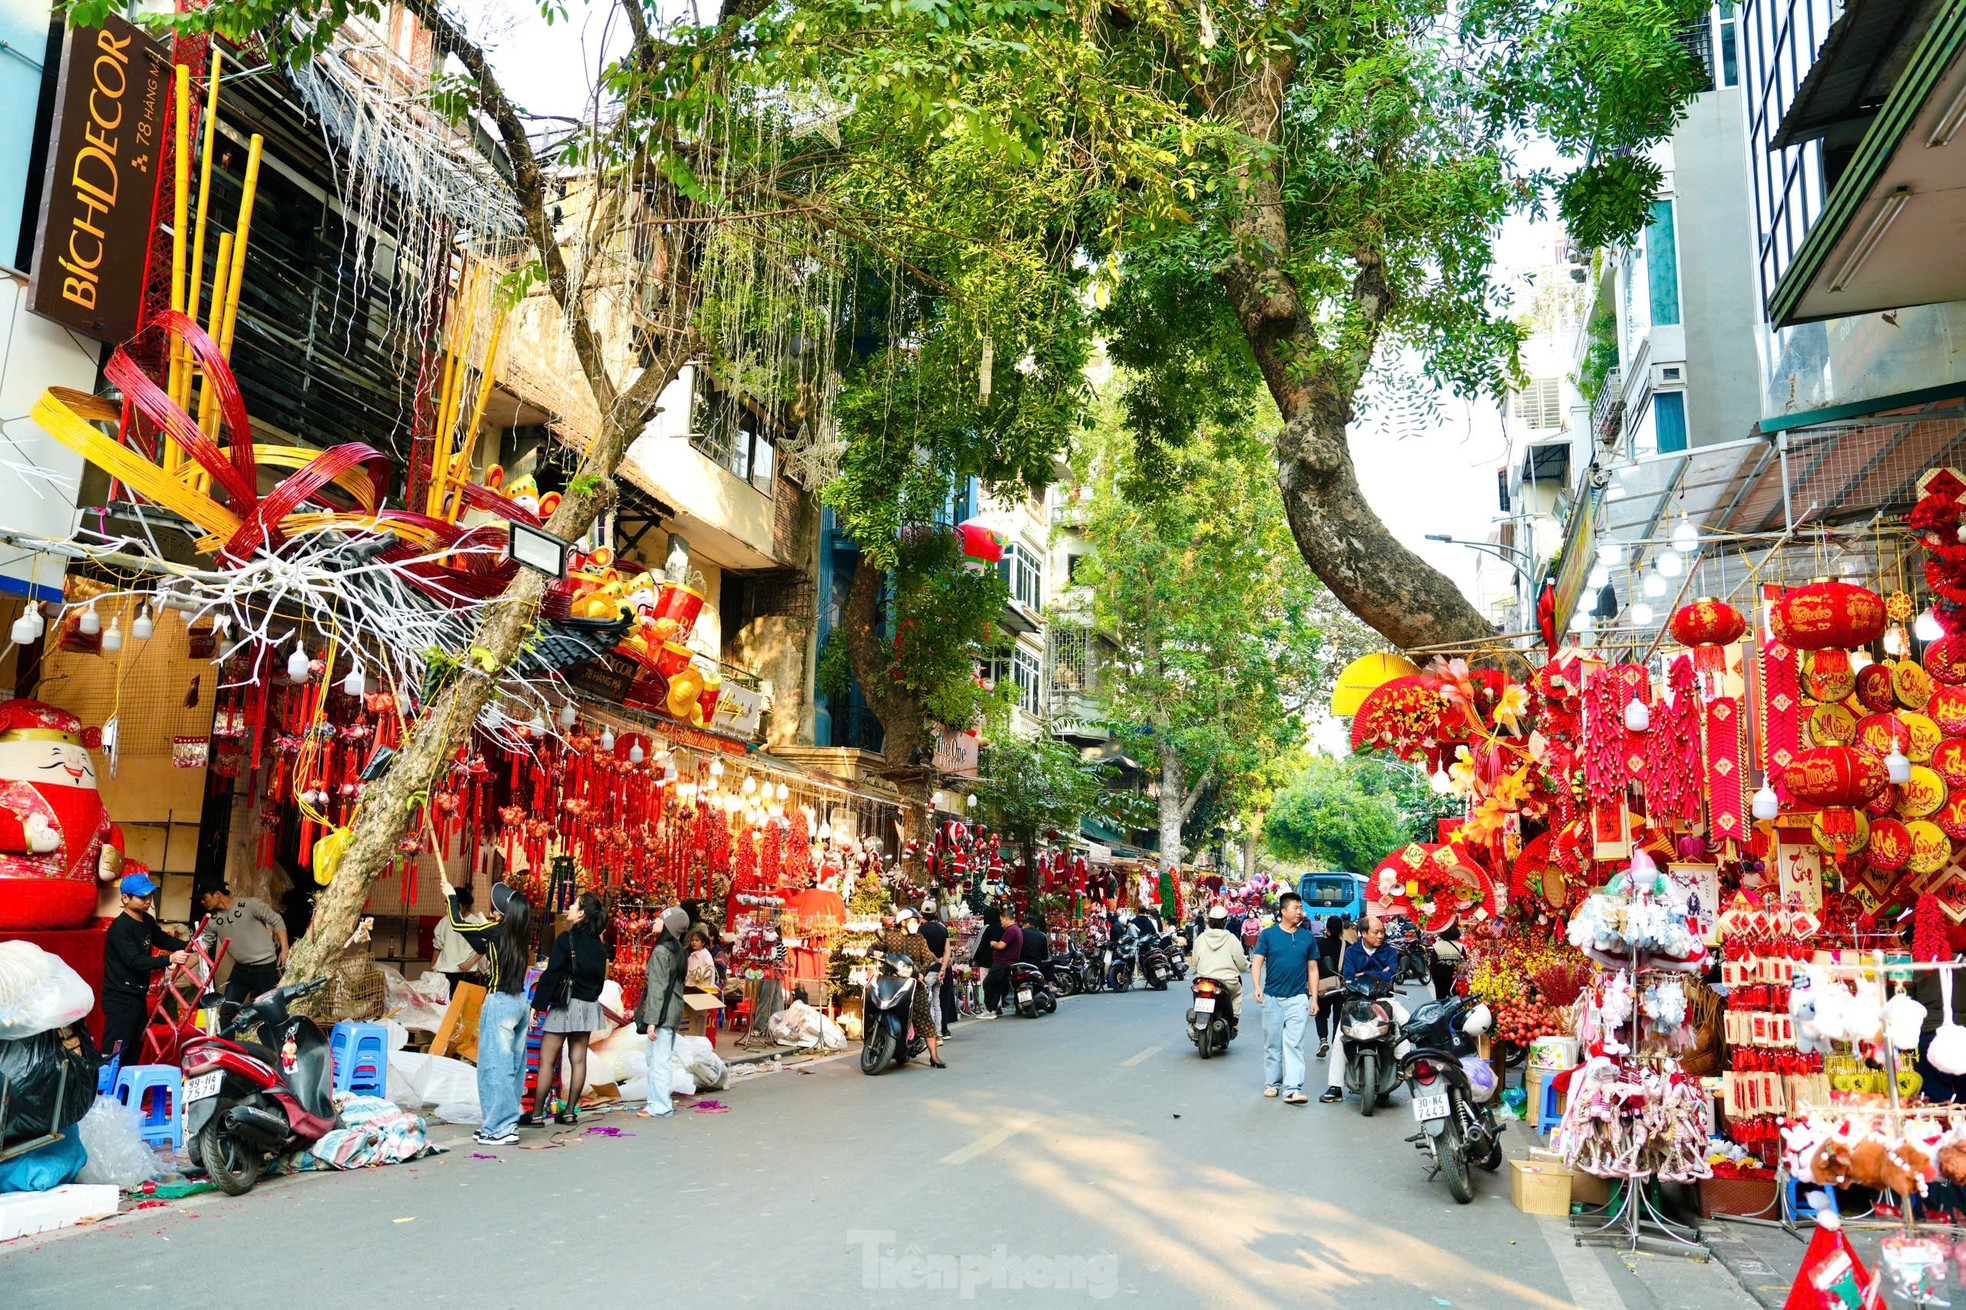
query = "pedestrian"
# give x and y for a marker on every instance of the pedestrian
(455, 957)
(661, 1011)
(505, 940)
(1284, 976)
(1446, 957)
(901, 936)
(569, 993)
(996, 977)
(256, 940)
(936, 934)
(1330, 952)
(133, 948)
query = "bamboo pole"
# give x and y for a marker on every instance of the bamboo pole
(178, 387)
(239, 241)
(196, 282)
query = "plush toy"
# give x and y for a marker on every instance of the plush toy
(57, 845)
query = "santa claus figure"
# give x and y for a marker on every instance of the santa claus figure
(56, 841)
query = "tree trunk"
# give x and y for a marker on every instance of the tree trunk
(1314, 382)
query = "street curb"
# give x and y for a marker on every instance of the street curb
(1756, 1277)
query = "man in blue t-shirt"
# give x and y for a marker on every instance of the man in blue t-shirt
(1284, 974)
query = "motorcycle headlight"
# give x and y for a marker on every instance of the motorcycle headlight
(1365, 1030)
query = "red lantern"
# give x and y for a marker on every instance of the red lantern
(1828, 616)
(1707, 625)
(1839, 779)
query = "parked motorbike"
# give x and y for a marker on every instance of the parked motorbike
(1368, 1025)
(1030, 992)
(887, 1007)
(1453, 1092)
(1211, 1017)
(247, 1100)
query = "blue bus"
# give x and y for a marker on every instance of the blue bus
(1332, 892)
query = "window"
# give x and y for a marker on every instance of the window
(731, 434)
(1540, 405)
(1025, 575)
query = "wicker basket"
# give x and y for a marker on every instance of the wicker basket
(1736, 1196)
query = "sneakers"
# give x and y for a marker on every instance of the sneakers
(483, 1138)
(1272, 1091)
(1331, 1096)
(1296, 1098)
(1323, 1049)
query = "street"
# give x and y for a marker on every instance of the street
(1089, 1155)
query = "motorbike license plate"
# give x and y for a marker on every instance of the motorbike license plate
(1204, 1005)
(1430, 1107)
(1024, 996)
(204, 1085)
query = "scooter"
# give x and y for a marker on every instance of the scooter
(1453, 1092)
(1030, 993)
(1211, 1017)
(1368, 1026)
(887, 1007)
(246, 1100)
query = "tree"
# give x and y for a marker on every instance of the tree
(1222, 645)
(1039, 786)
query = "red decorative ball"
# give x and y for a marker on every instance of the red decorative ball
(1828, 616)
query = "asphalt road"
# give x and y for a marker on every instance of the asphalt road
(1088, 1156)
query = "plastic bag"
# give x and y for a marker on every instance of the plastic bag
(117, 1152)
(40, 1099)
(38, 992)
(701, 1061)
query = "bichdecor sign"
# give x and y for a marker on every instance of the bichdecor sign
(102, 172)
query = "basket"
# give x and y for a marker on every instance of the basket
(1742, 1197)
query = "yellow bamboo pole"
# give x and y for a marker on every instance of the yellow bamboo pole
(244, 234)
(179, 387)
(196, 282)
(208, 400)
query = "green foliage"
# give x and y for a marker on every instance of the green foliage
(1350, 814)
(1037, 786)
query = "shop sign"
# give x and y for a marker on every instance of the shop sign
(738, 710)
(102, 172)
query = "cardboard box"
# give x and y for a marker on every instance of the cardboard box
(700, 1011)
(1539, 1187)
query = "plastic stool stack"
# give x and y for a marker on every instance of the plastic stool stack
(156, 1091)
(361, 1058)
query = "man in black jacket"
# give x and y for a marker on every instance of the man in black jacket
(133, 949)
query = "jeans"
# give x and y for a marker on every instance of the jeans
(1283, 1040)
(502, 1024)
(662, 1065)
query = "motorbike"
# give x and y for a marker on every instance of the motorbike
(1453, 1092)
(887, 1007)
(247, 1100)
(1369, 1027)
(1211, 1017)
(1030, 992)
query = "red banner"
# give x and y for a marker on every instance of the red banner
(1726, 770)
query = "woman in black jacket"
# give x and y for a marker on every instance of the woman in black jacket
(570, 993)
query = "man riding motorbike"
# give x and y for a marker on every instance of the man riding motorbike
(1219, 955)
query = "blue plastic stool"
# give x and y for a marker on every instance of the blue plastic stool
(163, 1118)
(1547, 1115)
(361, 1058)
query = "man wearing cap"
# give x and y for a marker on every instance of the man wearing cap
(256, 937)
(661, 1010)
(133, 949)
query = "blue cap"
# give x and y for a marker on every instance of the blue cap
(137, 884)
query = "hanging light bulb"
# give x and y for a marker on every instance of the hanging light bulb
(1897, 766)
(144, 625)
(636, 756)
(1611, 550)
(354, 684)
(23, 630)
(750, 785)
(1669, 564)
(112, 640)
(1685, 537)
(568, 715)
(1641, 613)
(1654, 584)
(1441, 783)
(91, 622)
(1927, 628)
(1766, 803)
(1600, 576)
(297, 664)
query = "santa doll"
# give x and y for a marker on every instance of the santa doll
(57, 845)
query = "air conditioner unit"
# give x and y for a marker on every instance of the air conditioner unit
(1669, 377)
